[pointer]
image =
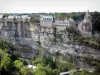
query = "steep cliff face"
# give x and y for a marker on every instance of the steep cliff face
(13, 29)
(81, 55)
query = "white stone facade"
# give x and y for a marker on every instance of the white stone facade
(46, 21)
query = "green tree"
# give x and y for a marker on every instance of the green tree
(84, 72)
(7, 45)
(61, 16)
(35, 18)
(41, 70)
(18, 64)
(55, 72)
(40, 73)
(5, 15)
(96, 21)
(49, 71)
(97, 69)
(55, 34)
(3, 53)
(6, 63)
(26, 71)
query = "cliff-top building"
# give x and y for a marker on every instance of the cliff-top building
(47, 23)
(85, 27)
(14, 27)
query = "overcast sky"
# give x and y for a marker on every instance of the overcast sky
(31, 6)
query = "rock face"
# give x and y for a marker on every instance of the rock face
(14, 28)
(74, 51)
(29, 54)
(85, 27)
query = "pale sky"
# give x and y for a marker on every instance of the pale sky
(33, 6)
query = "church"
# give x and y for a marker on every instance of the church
(85, 27)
